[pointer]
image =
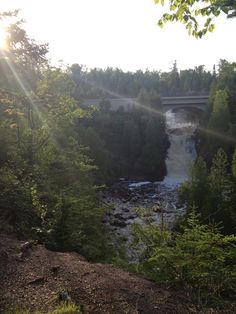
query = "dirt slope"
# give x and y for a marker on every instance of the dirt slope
(35, 280)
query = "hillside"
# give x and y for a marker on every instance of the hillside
(34, 280)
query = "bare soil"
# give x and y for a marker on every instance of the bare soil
(34, 279)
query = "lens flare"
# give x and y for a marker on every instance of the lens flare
(3, 37)
(154, 111)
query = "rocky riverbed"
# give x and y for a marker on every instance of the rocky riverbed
(126, 199)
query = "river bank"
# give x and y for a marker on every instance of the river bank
(146, 202)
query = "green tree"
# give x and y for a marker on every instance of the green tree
(151, 162)
(234, 164)
(218, 124)
(196, 190)
(188, 13)
(199, 259)
(212, 192)
(105, 105)
(46, 176)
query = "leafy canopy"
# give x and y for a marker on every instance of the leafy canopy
(188, 13)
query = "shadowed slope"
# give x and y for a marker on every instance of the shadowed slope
(35, 281)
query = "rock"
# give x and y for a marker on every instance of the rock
(27, 245)
(135, 198)
(131, 216)
(64, 296)
(117, 223)
(156, 208)
(154, 196)
(55, 269)
(24, 254)
(119, 216)
(37, 281)
(19, 257)
(130, 222)
(3, 254)
(25, 249)
(3, 257)
(122, 179)
(125, 209)
(153, 200)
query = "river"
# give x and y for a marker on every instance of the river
(158, 201)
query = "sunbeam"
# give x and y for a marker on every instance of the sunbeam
(3, 36)
(137, 104)
(30, 96)
(218, 135)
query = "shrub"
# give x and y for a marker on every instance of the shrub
(200, 258)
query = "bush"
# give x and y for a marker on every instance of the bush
(199, 258)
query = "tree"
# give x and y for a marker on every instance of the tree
(196, 189)
(153, 153)
(46, 177)
(105, 105)
(218, 123)
(234, 164)
(200, 259)
(188, 13)
(212, 193)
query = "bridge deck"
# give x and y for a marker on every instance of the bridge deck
(127, 103)
(185, 100)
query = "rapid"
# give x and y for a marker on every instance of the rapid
(158, 201)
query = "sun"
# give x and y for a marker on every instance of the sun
(3, 37)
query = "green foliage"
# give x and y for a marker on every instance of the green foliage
(234, 164)
(196, 189)
(188, 12)
(218, 123)
(199, 258)
(122, 143)
(217, 129)
(16, 208)
(47, 180)
(65, 308)
(144, 85)
(17, 312)
(219, 174)
(154, 149)
(212, 192)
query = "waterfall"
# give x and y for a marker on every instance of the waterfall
(180, 126)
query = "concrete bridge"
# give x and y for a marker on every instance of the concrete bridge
(168, 103)
(198, 102)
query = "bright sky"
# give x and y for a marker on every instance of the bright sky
(120, 33)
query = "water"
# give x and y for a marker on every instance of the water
(180, 126)
(159, 200)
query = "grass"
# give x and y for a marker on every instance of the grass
(65, 308)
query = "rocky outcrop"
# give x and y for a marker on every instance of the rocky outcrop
(126, 200)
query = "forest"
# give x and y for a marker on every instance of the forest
(99, 83)
(57, 154)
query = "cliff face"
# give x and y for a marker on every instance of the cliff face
(32, 277)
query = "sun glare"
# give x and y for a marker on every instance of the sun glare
(3, 37)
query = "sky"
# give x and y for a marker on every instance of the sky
(123, 34)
